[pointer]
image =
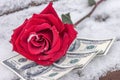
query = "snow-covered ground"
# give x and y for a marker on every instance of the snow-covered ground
(104, 23)
(8, 6)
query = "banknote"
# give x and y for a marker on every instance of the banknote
(89, 45)
(80, 53)
(76, 60)
(29, 70)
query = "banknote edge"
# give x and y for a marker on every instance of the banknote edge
(12, 70)
(110, 45)
(108, 48)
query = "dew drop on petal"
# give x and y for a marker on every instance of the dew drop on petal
(45, 48)
(39, 59)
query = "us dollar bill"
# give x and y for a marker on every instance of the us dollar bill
(76, 60)
(82, 51)
(89, 45)
(29, 70)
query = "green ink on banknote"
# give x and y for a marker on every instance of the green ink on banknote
(52, 74)
(74, 61)
(90, 47)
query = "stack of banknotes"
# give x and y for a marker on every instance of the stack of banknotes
(80, 53)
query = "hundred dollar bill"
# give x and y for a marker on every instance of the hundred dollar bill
(82, 51)
(90, 45)
(29, 70)
(53, 74)
(76, 60)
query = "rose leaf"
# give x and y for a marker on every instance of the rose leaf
(91, 2)
(66, 18)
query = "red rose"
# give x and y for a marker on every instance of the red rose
(43, 38)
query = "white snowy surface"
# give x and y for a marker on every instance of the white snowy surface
(92, 27)
(7, 6)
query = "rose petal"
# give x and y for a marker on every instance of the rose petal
(47, 33)
(44, 62)
(27, 32)
(36, 43)
(35, 50)
(56, 41)
(35, 20)
(53, 21)
(38, 50)
(50, 10)
(50, 53)
(25, 36)
(69, 29)
(17, 32)
(56, 45)
(63, 49)
(24, 51)
(17, 43)
(41, 27)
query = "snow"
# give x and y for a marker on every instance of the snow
(8, 6)
(104, 23)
